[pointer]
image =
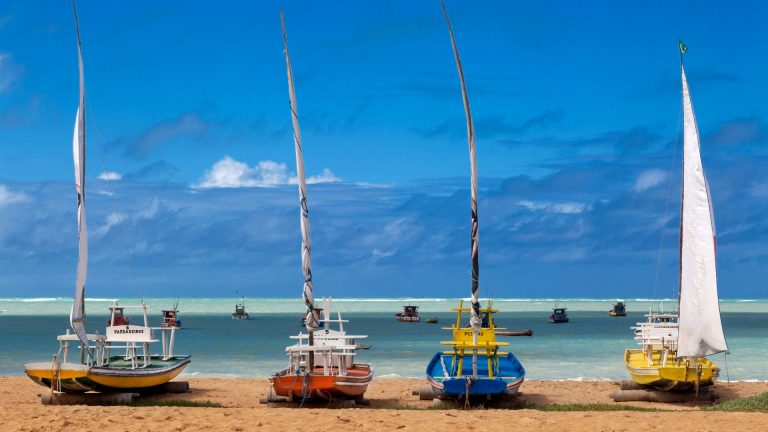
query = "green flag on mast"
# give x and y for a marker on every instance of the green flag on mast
(683, 46)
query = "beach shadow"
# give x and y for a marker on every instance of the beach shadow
(725, 393)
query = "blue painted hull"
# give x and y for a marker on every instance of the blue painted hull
(507, 371)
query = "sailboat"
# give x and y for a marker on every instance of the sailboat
(321, 365)
(120, 359)
(675, 346)
(474, 367)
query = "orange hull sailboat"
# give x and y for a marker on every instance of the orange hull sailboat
(321, 365)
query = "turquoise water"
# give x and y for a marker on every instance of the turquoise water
(591, 346)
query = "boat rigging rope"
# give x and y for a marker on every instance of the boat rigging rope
(666, 209)
(108, 175)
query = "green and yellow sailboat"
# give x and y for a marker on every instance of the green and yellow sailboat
(675, 347)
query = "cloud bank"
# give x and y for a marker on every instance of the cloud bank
(230, 173)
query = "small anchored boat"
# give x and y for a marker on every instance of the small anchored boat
(171, 317)
(431, 320)
(409, 314)
(618, 310)
(559, 316)
(321, 365)
(675, 347)
(120, 359)
(240, 313)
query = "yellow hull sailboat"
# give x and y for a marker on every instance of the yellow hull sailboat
(649, 368)
(657, 364)
(675, 346)
(120, 359)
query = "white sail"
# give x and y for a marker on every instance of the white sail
(310, 320)
(475, 320)
(77, 315)
(701, 333)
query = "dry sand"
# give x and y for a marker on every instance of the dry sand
(20, 409)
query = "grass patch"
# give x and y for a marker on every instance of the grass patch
(541, 407)
(756, 403)
(589, 407)
(175, 403)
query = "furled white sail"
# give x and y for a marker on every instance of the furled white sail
(701, 333)
(310, 320)
(475, 319)
(77, 316)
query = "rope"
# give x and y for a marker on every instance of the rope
(114, 203)
(666, 208)
(467, 384)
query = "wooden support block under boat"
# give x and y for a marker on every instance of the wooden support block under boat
(506, 402)
(661, 396)
(631, 385)
(424, 393)
(50, 398)
(274, 401)
(173, 387)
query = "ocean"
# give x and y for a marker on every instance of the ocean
(590, 347)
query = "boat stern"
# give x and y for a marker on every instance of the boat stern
(62, 376)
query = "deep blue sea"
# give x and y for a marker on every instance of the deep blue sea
(591, 346)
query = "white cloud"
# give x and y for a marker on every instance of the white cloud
(10, 71)
(101, 230)
(649, 179)
(113, 219)
(110, 175)
(562, 208)
(326, 177)
(8, 197)
(230, 173)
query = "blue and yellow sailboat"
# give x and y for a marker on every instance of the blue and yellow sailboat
(474, 368)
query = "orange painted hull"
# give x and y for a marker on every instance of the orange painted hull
(316, 385)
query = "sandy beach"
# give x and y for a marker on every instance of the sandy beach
(392, 408)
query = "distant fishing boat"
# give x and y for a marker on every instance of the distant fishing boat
(559, 316)
(409, 314)
(120, 359)
(618, 310)
(240, 313)
(431, 320)
(675, 346)
(171, 317)
(473, 368)
(322, 362)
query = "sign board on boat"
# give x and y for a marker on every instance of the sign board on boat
(129, 333)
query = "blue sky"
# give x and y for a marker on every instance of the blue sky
(576, 106)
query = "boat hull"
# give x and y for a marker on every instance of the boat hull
(317, 385)
(78, 378)
(509, 375)
(672, 376)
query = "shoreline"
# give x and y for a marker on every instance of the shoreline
(392, 407)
